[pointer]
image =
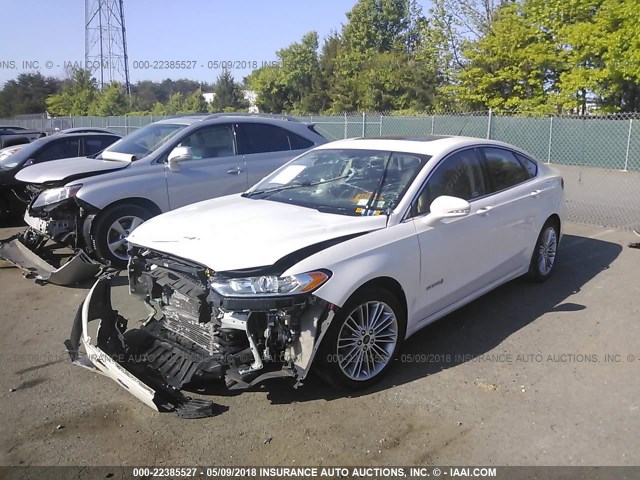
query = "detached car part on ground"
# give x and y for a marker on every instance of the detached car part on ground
(330, 262)
(92, 205)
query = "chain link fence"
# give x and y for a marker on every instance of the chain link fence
(598, 155)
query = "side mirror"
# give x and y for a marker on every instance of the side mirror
(447, 207)
(177, 155)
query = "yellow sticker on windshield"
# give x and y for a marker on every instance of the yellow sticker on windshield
(362, 196)
(365, 212)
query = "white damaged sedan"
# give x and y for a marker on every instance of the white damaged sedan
(330, 262)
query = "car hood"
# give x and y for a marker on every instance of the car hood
(234, 233)
(67, 169)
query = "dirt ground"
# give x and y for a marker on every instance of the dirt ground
(528, 375)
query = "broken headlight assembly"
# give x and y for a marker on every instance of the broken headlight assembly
(54, 196)
(269, 285)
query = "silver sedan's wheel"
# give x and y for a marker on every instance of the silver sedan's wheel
(547, 250)
(367, 340)
(545, 253)
(117, 235)
(110, 229)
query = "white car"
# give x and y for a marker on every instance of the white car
(331, 261)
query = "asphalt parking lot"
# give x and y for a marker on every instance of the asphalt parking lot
(531, 374)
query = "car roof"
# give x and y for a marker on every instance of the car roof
(51, 138)
(426, 145)
(233, 116)
(68, 131)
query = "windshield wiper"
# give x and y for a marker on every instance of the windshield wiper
(376, 193)
(291, 186)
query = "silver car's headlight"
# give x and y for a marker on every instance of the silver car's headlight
(270, 285)
(55, 195)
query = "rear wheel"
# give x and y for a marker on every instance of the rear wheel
(110, 230)
(545, 252)
(362, 340)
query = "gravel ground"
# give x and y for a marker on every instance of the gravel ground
(519, 377)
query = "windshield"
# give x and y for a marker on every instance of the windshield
(349, 182)
(22, 154)
(144, 141)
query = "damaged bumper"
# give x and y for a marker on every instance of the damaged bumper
(77, 269)
(189, 339)
(110, 355)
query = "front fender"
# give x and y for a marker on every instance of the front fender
(392, 252)
(139, 181)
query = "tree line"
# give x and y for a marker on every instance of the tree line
(79, 95)
(538, 56)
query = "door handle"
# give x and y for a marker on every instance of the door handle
(235, 171)
(535, 193)
(484, 210)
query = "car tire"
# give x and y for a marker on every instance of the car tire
(110, 229)
(545, 253)
(344, 350)
(5, 210)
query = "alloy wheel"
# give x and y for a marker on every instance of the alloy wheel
(118, 232)
(547, 251)
(367, 340)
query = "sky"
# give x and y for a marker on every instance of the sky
(47, 35)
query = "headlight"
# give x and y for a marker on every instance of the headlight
(9, 151)
(55, 195)
(270, 285)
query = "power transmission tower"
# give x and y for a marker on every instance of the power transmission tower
(105, 42)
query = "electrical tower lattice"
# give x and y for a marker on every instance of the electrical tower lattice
(105, 42)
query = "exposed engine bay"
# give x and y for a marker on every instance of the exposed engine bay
(194, 335)
(64, 224)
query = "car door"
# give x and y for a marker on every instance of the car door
(267, 147)
(457, 255)
(215, 169)
(514, 205)
(57, 149)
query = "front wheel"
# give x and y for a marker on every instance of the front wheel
(110, 230)
(545, 253)
(362, 340)
(5, 211)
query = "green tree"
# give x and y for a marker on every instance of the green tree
(375, 27)
(515, 66)
(228, 95)
(27, 94)
(272, 93)
(111, 101)
(195, 103)
(76, 96)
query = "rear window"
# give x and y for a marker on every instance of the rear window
(297, 142)
(262, 138)
(529, 165)
(504, 169)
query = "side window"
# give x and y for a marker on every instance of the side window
(210, 142)
(529, 165)
(503, 168)
(459, 175)
(67, 148)
(93, 145)
(297, 142)
(262, 138)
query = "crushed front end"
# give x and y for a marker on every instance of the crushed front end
(193, 334)
(54, 219)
